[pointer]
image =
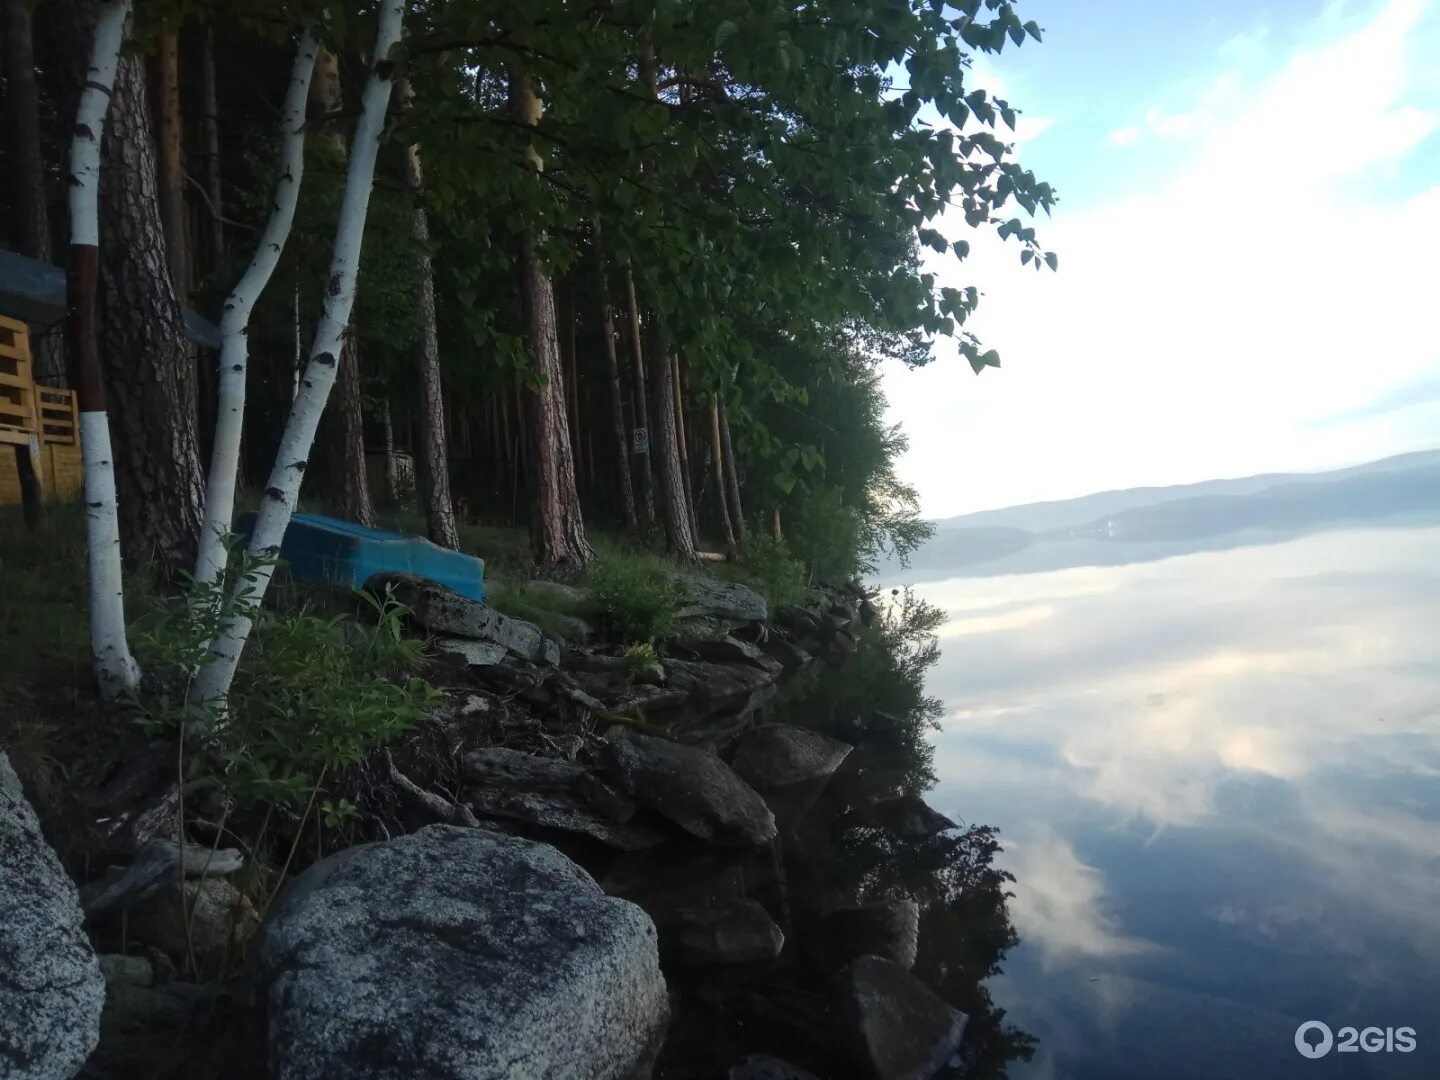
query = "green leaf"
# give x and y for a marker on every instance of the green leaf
(785, 481)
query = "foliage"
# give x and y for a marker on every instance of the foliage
(635, 597)
(771, 569)
(313, 695)
(640, 657)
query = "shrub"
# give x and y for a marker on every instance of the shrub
(770, 569)
(635, 597)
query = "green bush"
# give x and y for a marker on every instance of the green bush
(634, 597)
(312, 695)
(769, 568)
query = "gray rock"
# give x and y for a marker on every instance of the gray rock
(779, 754)
(690, 786)
(499, 766)
(459, 953)
(909, 817)
(605, 796)
(762, 1067)
(786, 653)
(444, 611)
(729, 650)
(889, 1026)
(704, 595)
(890, 931)
(730, 932)
(566, 811)
(51, 988)
(121, 970)
(711, 682)
(470, 652)
(157, 864)
(221, 918)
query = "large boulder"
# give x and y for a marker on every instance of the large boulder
(499, 766)
(779, 754)
(711, 683)
(444, 611)
(888, 1025)
(729, 600)
(51, 988)
(215, 920)
(690, 786)
(458, 953)
(888, 930)
(730, 932)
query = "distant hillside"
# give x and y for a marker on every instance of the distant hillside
(1071, 513)
(1142, 524)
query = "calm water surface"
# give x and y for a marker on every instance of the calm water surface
(1218, 780)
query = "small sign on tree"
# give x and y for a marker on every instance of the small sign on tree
(640, 441)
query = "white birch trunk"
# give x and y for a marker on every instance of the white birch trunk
(115, 668)
(235, 320)
(283, 487)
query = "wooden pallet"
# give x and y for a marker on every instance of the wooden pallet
(42, 419)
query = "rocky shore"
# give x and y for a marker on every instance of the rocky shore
(509, 907)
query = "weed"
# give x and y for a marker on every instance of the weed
(635, 597)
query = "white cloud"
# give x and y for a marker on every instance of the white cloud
(1200, 328)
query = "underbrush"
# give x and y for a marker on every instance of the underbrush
(634, 597)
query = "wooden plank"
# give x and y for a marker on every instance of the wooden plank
(66, 472)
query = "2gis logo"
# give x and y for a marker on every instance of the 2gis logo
(1314, 1039)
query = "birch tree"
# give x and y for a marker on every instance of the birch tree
(115, 668)
(235, 320)
(283, 487)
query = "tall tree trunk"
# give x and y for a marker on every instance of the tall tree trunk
(717, 458)
(617, 399)
(557, 530)
(30, 215)
(732, 477)
(641, 412)
(683, 439)
(115, 668)
(283, 487)
(665, 446)
(235, 320)
(170, 132)
(149, 375)
(434, 452)
(342, 433)
(210, 145)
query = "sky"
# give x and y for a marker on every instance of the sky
(1248, 235)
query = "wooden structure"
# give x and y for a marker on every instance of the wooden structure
(39, 422)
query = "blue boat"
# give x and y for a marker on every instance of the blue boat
(320, 548)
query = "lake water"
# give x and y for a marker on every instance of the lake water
(1217, 777)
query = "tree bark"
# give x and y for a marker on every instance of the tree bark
(170, 140)
(641, 411)
(30, 220)
(210, 144)
(115, 668)
(665, 446)
(283, 487)
(434, 450)
(557, 530)
(343, 434)
(717, 458)
(732, 476)
(684, 442)
(149, 376)
(342, 431)
(617, 399)
(235, 321)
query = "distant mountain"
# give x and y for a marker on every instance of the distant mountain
(1142, 524)
(1070, 513)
